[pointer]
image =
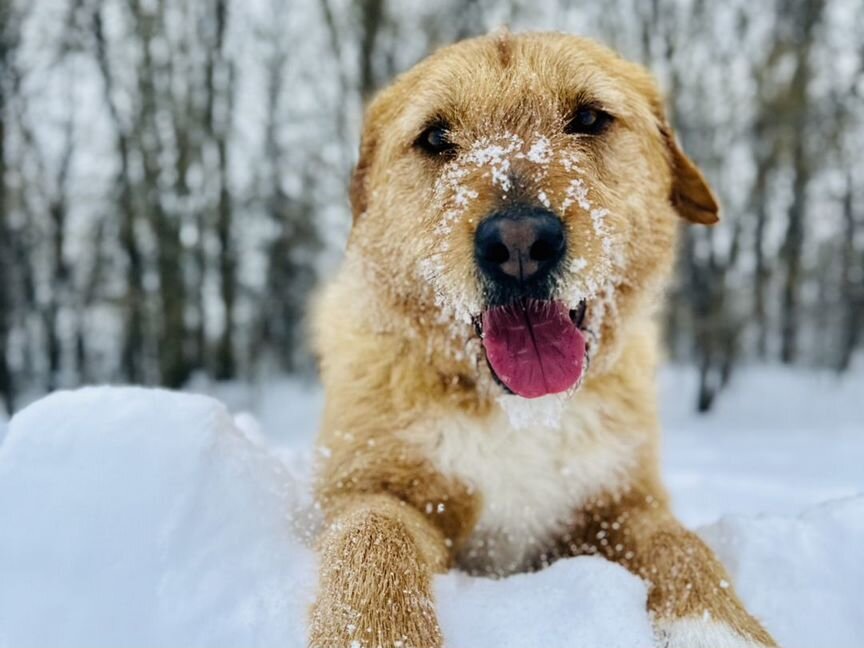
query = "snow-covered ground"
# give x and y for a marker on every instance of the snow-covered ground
(779, 442)
(148, 518)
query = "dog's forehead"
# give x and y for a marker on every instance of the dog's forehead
(489, 79)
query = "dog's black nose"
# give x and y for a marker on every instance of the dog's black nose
(519, 243)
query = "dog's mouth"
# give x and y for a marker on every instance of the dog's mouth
(535, 347)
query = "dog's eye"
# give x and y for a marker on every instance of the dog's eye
(588, 121)
(435, 140)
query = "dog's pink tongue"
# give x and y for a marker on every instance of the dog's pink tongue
(533, 347)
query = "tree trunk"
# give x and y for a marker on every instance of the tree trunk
(793, 246)
(851, 282)
(133, 302)
(173, 365)
(371, 19)
(226, 363)
(762, 275)
(51, 312)
(59, 294)
(7, 244)
(807, 17)
(7, 386)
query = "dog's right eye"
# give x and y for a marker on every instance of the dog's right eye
(588, 120)
(435, 140)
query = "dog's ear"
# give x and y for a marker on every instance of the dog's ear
(358, 192)
(690, 193)
(375, 118)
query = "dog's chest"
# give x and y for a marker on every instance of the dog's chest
(530, 481)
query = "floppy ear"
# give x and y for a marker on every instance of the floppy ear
(358, 190)
(690, 194)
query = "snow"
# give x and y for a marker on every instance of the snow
(523, 413)
(587, 602)
(779, 442)
(577, 191)
(802, 574)
(133, 517)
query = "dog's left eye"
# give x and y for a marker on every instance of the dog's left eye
(435, 140)
(588, 121)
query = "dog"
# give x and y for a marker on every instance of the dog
(488, 350)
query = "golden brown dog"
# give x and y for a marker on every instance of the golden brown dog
(515, 209)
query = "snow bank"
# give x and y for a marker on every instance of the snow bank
(132, 517)
(586, 602)
(802, 576)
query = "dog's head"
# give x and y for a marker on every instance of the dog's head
(527, 186)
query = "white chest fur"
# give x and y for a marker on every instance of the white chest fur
(531, 478)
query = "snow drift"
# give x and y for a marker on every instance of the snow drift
(133, 517)
(144, 518)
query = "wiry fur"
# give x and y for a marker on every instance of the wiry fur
(425, 467)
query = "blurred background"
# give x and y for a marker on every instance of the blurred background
(174, 175)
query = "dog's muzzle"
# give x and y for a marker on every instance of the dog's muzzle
(533, 343)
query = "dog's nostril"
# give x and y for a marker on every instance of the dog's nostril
(543, 250)
(497, 253)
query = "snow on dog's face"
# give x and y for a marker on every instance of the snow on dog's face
(526, 187)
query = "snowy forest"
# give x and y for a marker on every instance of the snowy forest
(173, 174)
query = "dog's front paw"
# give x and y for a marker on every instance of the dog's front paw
(340, 626)
(375, 587)
(698, 632)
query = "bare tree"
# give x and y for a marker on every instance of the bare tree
(371, 15)
(766, 153)
(133, 306)
(59, 291)
(851, 280)
(172, 339)
(806, 15)
(220, 83)
(290, 273)
(7, 46)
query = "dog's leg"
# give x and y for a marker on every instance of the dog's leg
(691, 598)
(378, 555)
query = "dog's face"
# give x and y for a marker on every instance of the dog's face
(528, 187)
